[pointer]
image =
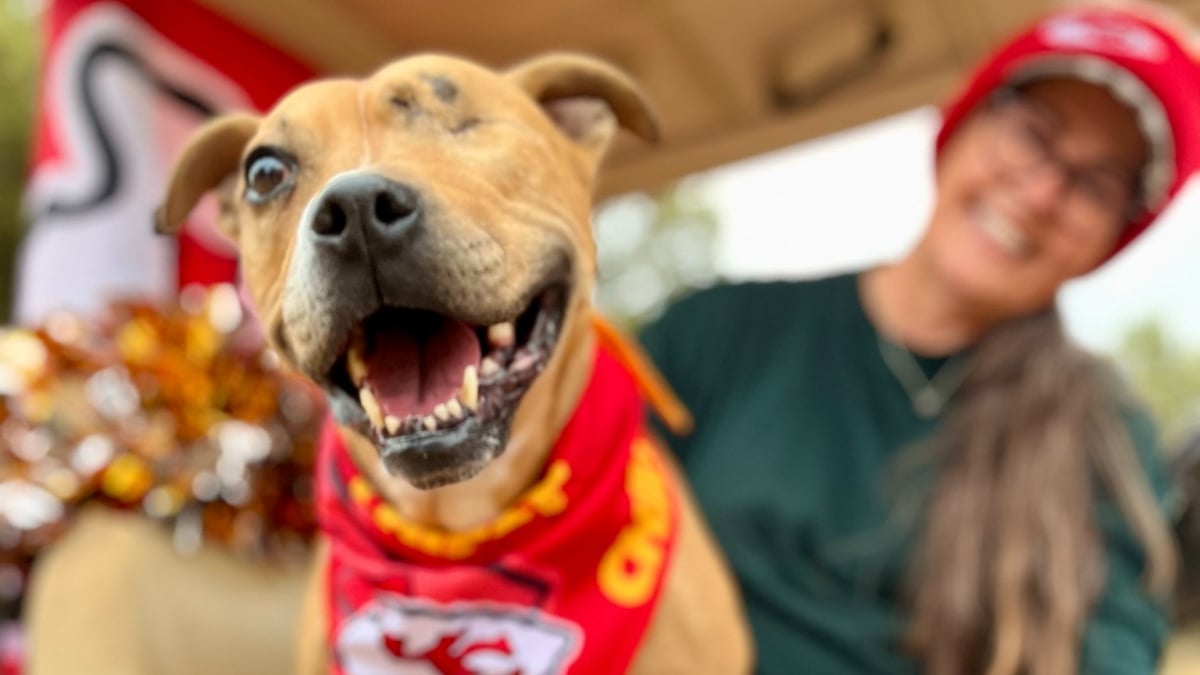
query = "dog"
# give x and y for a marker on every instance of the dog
(417, 243)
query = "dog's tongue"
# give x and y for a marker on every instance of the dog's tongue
(410, 374)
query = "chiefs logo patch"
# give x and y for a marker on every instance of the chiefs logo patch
(405, 636)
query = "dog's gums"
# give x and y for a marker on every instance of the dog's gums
(436, 395)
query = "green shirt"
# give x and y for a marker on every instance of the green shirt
(798, 421)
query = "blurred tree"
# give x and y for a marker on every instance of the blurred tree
(1167, 375)
(19, 50)
(652, 248)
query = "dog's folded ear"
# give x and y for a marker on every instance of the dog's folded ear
(583, 95)
(208, 159)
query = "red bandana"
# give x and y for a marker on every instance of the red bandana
(565, 580)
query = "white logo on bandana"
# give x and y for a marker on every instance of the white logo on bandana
(404, 636)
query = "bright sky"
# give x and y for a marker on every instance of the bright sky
(859, 197)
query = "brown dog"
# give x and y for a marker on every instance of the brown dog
(418, 244)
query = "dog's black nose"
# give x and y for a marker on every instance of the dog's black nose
(364, 200)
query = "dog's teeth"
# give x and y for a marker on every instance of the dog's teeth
(371, 406)
(429, 422)
(356, 365)
(502, 335)
(454, 409)
(470, 388)
(441, 412)
(488, 367)
(393, 424)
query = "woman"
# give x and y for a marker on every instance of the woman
(910, 468)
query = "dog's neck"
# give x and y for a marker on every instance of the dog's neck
(540, 418)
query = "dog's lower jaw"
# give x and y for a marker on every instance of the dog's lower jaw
(455, 456)
(438, 479)
(431, 461)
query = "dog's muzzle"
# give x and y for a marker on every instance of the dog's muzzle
(407, 357)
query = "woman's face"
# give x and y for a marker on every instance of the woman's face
(1033, 189)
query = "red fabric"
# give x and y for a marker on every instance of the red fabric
(199, 264)
(262, 71)
(124, 82)
(1125, 39)
(265, 72)
(564, 581)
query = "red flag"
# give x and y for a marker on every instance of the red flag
(124, 83)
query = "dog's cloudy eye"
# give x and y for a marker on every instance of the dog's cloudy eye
(268, 175)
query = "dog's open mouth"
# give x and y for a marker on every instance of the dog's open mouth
(435, 394)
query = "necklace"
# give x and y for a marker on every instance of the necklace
(928, 395)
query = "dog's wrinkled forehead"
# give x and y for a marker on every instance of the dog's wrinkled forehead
(413, 104)
(442, 90)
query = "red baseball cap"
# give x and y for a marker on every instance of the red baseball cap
(1139, 60)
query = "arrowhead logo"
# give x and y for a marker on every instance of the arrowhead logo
(402, 635)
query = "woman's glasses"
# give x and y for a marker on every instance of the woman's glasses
(1022, 141)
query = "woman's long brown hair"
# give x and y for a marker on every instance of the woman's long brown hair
(1011, 560)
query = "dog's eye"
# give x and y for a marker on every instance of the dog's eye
(269, 173)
